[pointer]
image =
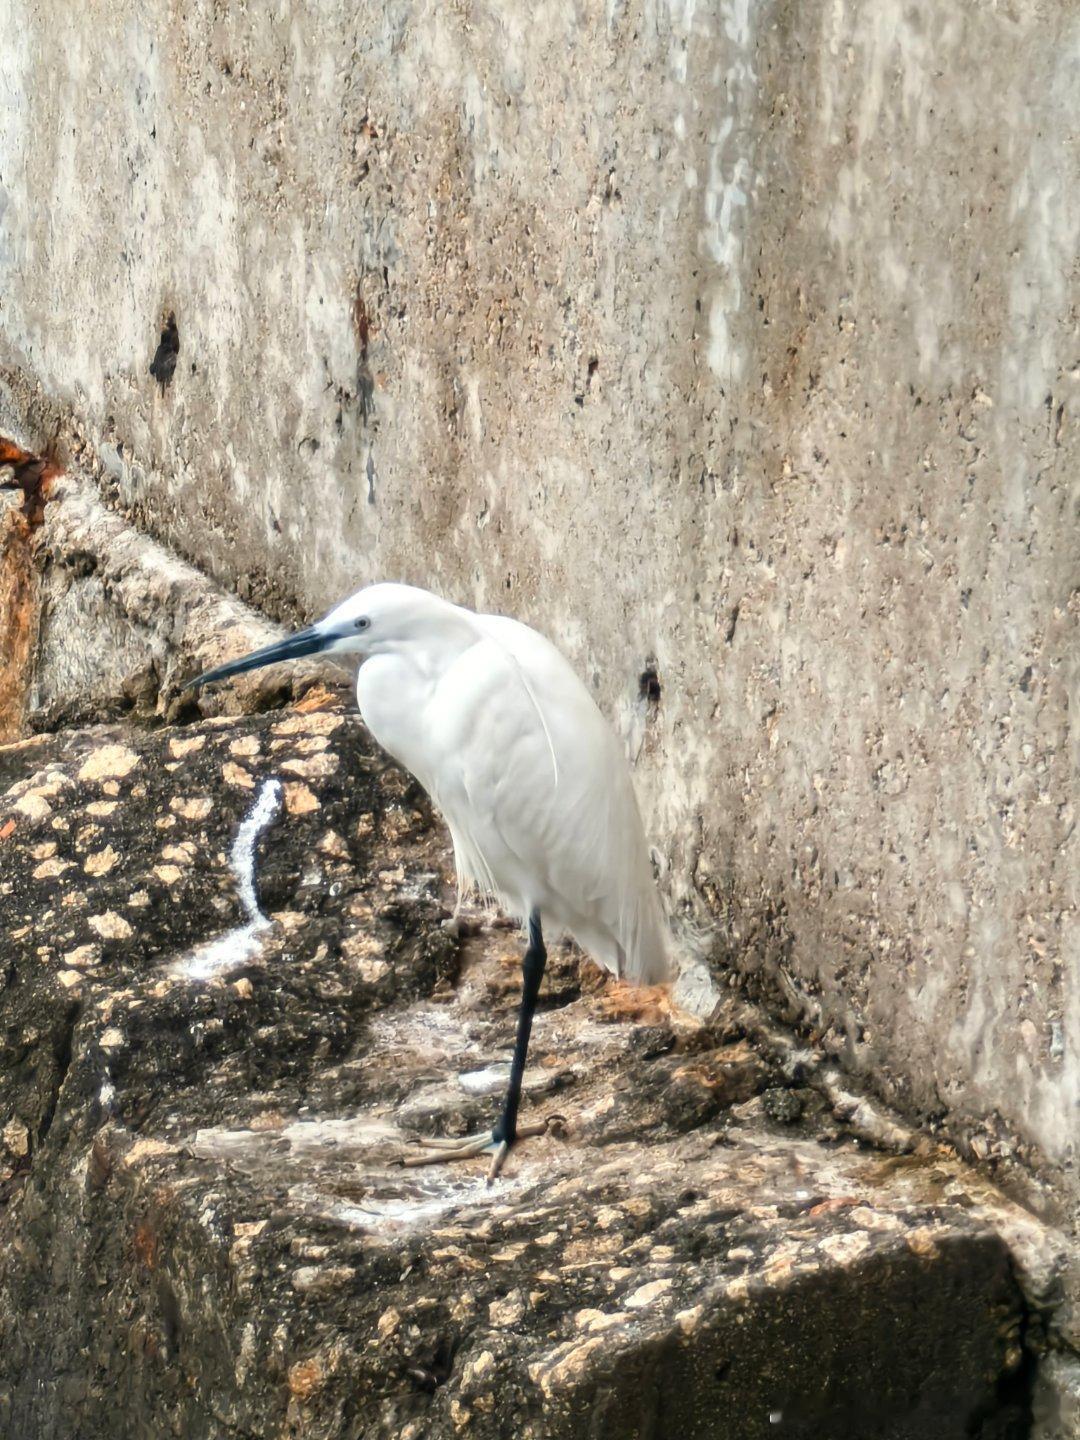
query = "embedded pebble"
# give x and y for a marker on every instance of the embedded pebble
(646, 1294)
(50, 869)
(16, 1137)
(321, 1280)
(109, 762)
(179, 747)
(101, 862)
(34, 806)
(320, 723)
(299, 800)
(192, 809)
(83, 955)
(110, 926)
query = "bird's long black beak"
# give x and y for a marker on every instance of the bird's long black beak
(305, 642)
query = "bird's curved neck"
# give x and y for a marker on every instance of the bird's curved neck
(446, 637)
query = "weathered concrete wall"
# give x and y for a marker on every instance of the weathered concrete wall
(743, 338)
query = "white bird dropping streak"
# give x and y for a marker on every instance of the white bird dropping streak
(240, 944)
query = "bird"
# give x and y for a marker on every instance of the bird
(535, 788)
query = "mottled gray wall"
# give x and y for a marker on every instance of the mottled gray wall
(739, 336)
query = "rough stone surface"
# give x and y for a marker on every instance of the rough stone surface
(203, 1228)
(732, 344)
(123, 623)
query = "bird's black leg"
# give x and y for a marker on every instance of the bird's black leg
(532, 971)
(499, 1140)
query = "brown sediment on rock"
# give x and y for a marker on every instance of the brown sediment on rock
(25, 483)
(18, 616)
(31, 474)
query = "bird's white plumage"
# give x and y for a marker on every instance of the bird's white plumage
(509, 744)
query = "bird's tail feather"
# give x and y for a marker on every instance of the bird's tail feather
(646, 943)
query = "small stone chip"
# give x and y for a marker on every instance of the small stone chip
(109, 762)
(305, 1377)
(192, 809)
(566, 1367)
(43, 851)
(100, 809)
(507, 1311)
(101, 862)
(111, 1039)
(310, 745)
(145, 1148)
(50, 869)
(110, 926)
(179, 748)
(594, 1320)
(315, 767)
(33, 806)
(646, 1294)
(845, 1248)
(477, 1368)
(16, 1136)
(922, 1241)
(389, 1321)
(299, 800)
(83, 955)
(321, 1280)
(234, 774)
(70, 978)
(247, 745)
(319, 724)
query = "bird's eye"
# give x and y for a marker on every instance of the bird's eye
(363, 623)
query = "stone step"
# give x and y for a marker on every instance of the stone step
(205, 1229)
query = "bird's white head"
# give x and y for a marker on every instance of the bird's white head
(377, 620)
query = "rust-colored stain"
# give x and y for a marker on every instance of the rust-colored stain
(19, 600)
(146, 1246)
(836, 1202)
(361, 323)
(32, 474)
(305, 1377)
(317, 698)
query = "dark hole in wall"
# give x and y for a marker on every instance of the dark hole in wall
(163, 365)
(649, 685)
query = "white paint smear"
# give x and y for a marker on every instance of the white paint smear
(241, 943)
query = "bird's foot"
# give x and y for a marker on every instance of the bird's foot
(439, 1151)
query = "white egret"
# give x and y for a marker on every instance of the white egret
(532, 782)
